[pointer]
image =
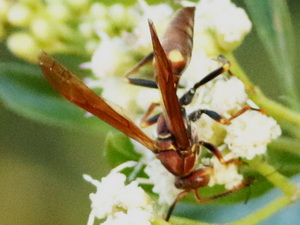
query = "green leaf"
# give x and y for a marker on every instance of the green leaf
(119, 149)
(24, 90)
(274, 27)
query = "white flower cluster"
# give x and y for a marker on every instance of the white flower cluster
(249, 134)
(119, 203)
(226, 175)
(227, 23)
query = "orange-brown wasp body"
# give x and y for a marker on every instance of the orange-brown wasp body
(177, 145)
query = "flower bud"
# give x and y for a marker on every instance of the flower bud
(232, 30)
(117, 14)
(23, 45)
(4, 8)
(42, 29)
(28, 2)
(226, 23)
(98, 10)
(19, 15)
(86, 29)
(58, 11)
(78, 4)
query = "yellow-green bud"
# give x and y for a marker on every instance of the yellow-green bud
(29, 2)
(86, 29)
(91, 46)
(117, 14)
(98, 10)
(78, 4)
(24, 46)
(4, 8)
(19, 15)
(58, 11)
(42, 29)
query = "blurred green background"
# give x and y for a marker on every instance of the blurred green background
(42, 165)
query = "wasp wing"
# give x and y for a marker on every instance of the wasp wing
(78, 93)
(165, 82)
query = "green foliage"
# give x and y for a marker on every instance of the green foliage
(119, 149)
(272, 21)
(24, 90)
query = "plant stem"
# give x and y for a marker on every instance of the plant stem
(265, 212)
(275, 109)
(160, 221)
(184, 221)
(279, 181)
(272, 175)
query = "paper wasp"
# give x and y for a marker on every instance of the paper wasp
(177, 145)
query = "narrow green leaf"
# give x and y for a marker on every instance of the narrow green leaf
(119, 149)
(272, 21)
(24, 90)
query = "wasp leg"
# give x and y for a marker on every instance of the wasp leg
(178, 198)
(217, 117)
(142, 82)
(141, 63)
(197, 179)
(189, 95)
(146, 121)
(245, 183)
(216, 152)
(138, 81)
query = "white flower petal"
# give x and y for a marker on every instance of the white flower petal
(229, 23)
(228, 95)
(114, 196)
(224, 175)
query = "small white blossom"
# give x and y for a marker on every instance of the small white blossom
(110, 55)
(118, 92)
(146, 96)
(209, 130)
(228, 95)
(224, 175)
(249, 134)
(200, 66)
(229, 23)
(114, 199)
(163, 182)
